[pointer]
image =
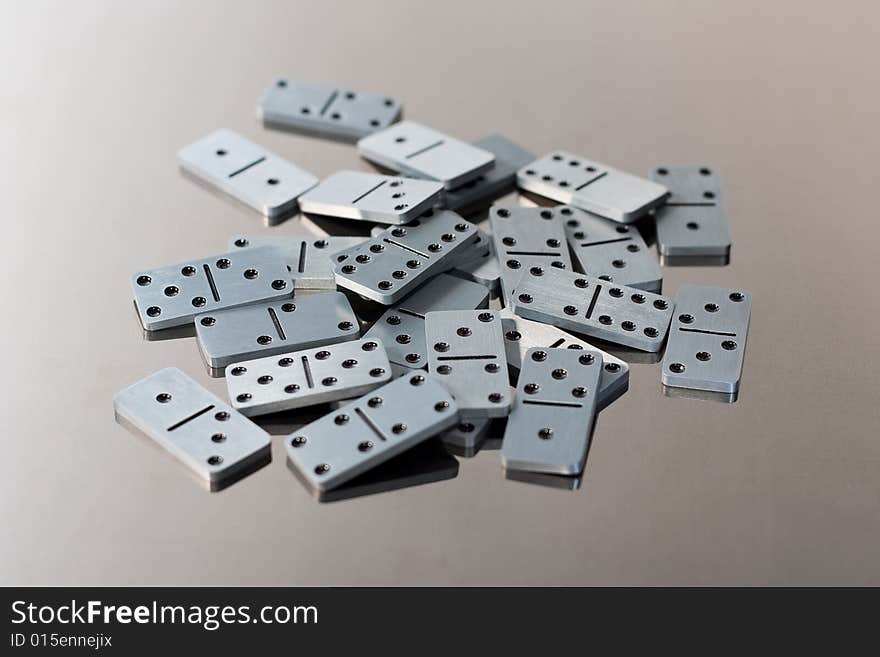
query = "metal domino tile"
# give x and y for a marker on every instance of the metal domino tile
(484, 270)
(371, 430)
(247, 172)
(611, 251)
(172, 296)
(552, 420)
(466, 350)
(469, 263)
(402, 328)
(421, 152)
(309, 261)
(707, 339)
(208, 436)
(272, 328)
(325, 111)
(390, 266)
(479, 264)
(308, 377)
(467, 434)
(527, 240)
(591, 186)
(521, 334)
(404, 333)
(692, 226)
(593, 307)
(371, 197)
(494, 183)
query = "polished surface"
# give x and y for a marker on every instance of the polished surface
(780, 487)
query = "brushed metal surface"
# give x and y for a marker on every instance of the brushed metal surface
(309, 261)
(552, 419)
(273, 328)
(611, 251)
(208, 436)
(522, 334)
(483, 190)
(707, 339)
(402, 328)
(172, 296)
(466, 352)
(404, 333)
(592, 186)
(475, 253)
(322, 110)
(590, 306)
(247, 172)
(464, 257)
(527, 240)
(371, 197)
(422, 152)
(307, 377)
(445, 292)
(465, 260)
(467, 434)
(393, 264)
(369, 431)
(485, 270)
(692, 226)
(479, 264)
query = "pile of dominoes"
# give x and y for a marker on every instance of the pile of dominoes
(401, 322)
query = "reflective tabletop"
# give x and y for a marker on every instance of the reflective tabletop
(780, 487)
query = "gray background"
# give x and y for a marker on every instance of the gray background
(779, 488)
